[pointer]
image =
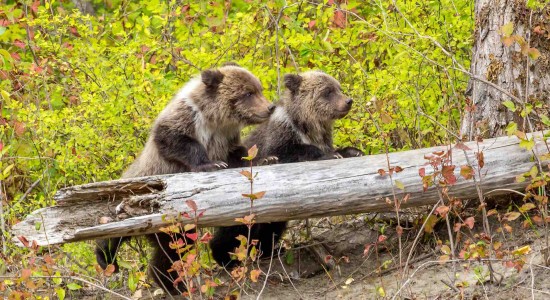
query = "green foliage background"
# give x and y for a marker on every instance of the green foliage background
(79, 93)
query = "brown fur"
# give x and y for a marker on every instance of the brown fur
(199, 130)
(214, 119)
(305, 115)
(300, 129)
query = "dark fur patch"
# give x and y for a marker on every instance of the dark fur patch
(293, 82)
(212, 78)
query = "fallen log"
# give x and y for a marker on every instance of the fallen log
(293, 191)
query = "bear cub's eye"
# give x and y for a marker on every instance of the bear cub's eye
(248, 94)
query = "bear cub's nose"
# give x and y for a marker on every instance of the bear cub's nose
(271, 108)
(349, 101)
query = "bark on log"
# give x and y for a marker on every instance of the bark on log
(293, 191)
(507, 67)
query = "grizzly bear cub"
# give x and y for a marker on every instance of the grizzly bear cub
(300, 129)
(199, 130)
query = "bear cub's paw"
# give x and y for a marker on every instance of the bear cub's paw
(214, 166)
(270, 160)
(350, 152)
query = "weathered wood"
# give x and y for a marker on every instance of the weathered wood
(294, 191)
(506, 66)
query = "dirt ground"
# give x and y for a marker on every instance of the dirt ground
(376, 276)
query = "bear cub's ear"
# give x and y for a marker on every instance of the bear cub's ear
(292, 82)
(211, 78)
(231, 63)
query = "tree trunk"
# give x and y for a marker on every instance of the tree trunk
(293, 191)
(509, 67)
(85, 6)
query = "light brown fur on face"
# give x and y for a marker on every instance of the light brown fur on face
(313, 101)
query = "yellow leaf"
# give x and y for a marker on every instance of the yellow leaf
(399, 185)
(512, 215)
(522, 251)
(445, 249)
(526, 207)
(507, 29)
(254, 274)
(381, 292)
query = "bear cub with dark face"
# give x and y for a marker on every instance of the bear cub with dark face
(199, 130)
(300, 129)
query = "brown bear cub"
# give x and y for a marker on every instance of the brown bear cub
(199, 130)
(300, 129)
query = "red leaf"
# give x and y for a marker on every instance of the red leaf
(74, 31)
(19, 128)
(422, 172)
(19, 44)
(1, 146)
(399, 230)
(35, 5)
(206, 237)
(246, 174)
(462, 146)
(23, 240)
(185, 8)
(367, 249)
(15, 56)
(48, 259)
(382, 172)
(480, 160)
(382, 238)
(185, 215)
(398, 169)
(192, 236)
(191, 204)
(252, 152)
(442, 210)
(467, 172)
(339, 19)
(25, 274)
(311, 24)
(457, 227)
(330, 2)
(328, 258)
(470, 222)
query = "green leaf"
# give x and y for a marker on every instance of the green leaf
(57, 278)
(545, 120)
(399, 185)
(5, 95)
(37, 226)
(507, 29)
(511, 106)
(533, 53)
(2, 30)
(73, 286)
(527, 144)
(511, 128)
(60, 293)
(289, 257)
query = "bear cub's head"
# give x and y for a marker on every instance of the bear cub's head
(314, 95)
(234, 95)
